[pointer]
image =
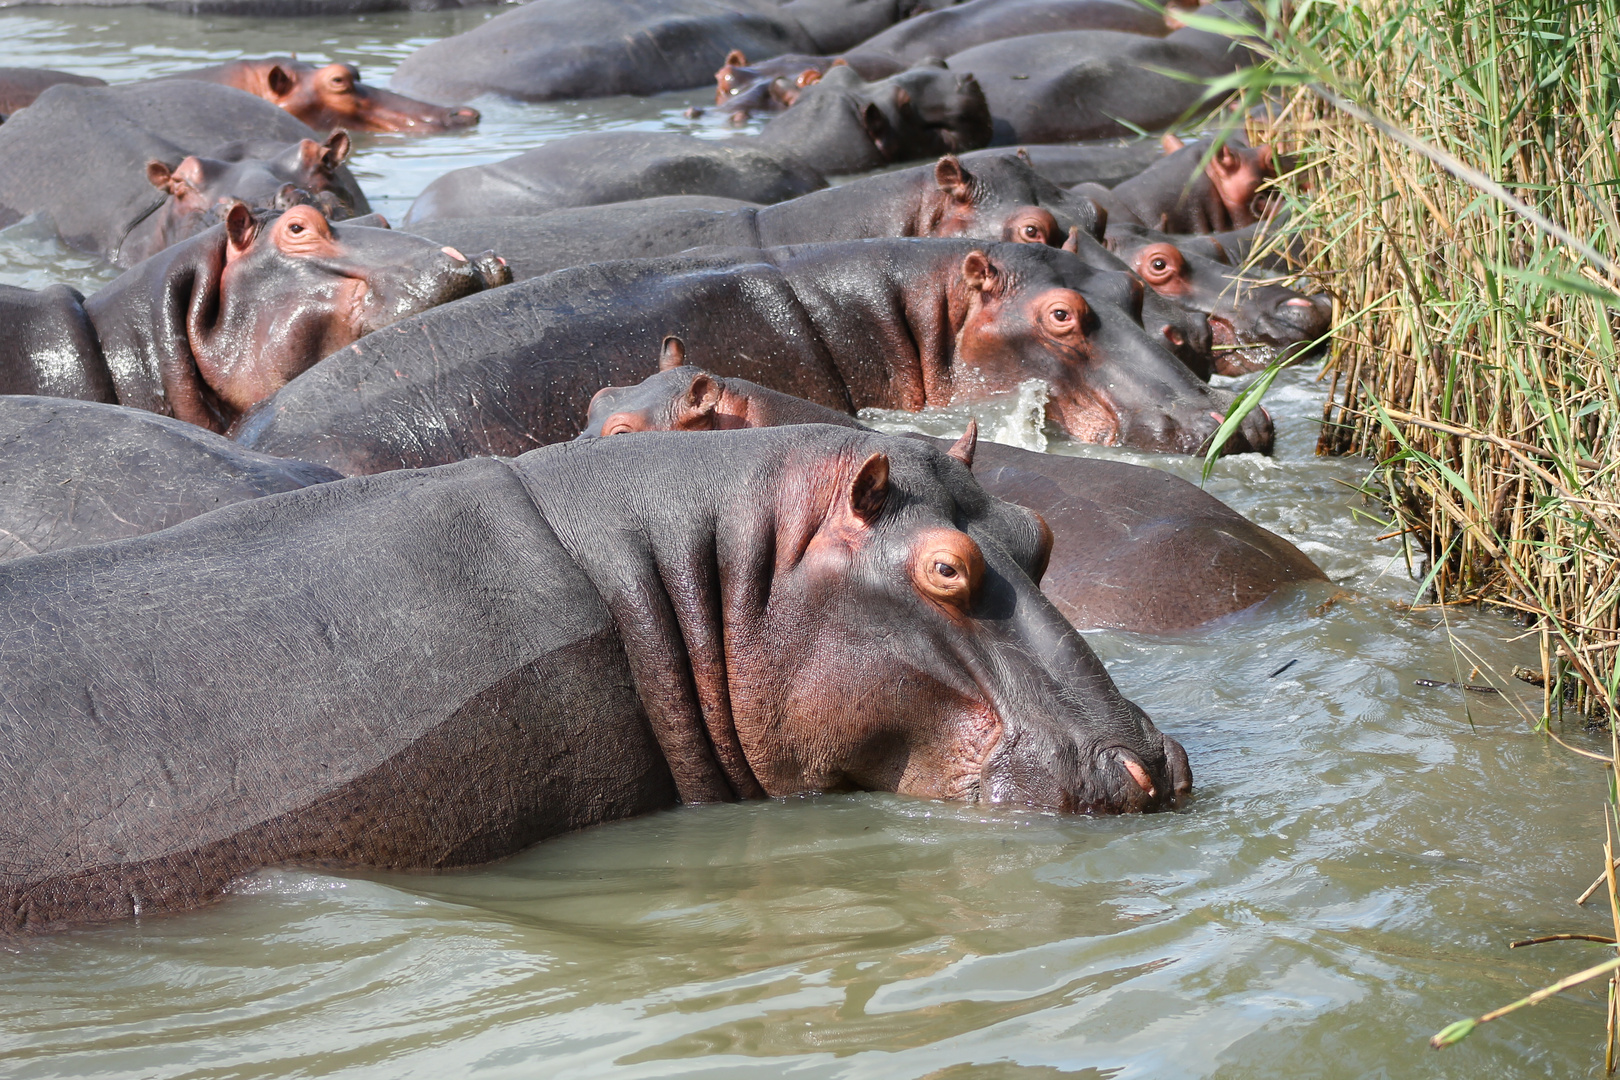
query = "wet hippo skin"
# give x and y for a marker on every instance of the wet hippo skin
(20, 86)
(331, 96)
(79, 472)
(1133, 548)
(887, 323)
(124, 171)
(549, 49)
(840, 125)
(470, 659)
(996, 198)
(214, 324)
(1093, 84)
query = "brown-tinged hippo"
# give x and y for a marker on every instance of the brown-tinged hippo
(996, 198)
(123, 171)
(1253, 320)
(207, 328)
(332, 96)
(550, 49)
(887, 323)
(1093, 84)
(1133, 548)
(20, 86)
(80, 472)
(1181, 193)
(840, 125)
(435, 668)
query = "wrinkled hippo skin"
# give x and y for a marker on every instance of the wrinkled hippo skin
(332, 96)
(1095, 84)
(20, 86)
(214, 324)
(1181, 193)
(79, 472)
(1133, 548)
(998, 198)
(1252, 321)
(840, 125)
(124, 171)
(473, 658)
(885, 323)
(549, 49)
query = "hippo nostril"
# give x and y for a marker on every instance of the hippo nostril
(453, 253)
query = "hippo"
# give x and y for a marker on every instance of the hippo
(840, 125)
(81, 472)
(1181, 193)
(551, 49)
(1133, 548)
(124, 171)
(20, 86)
(884, 323)
(999, 198)
(1094, 84)
(263, 9)
(469, 659)
(332, 96)
(208, 327)
(774, 84)
(1252, 321)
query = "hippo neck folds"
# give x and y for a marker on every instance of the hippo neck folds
(877, 564)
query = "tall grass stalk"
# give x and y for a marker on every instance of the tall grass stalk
(1458, 191)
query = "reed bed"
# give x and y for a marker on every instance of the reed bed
(1457, 192)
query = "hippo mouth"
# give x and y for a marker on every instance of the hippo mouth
(1239, 354)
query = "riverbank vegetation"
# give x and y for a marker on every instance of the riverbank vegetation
(1459, 171)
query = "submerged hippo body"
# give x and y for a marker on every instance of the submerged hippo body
(20, 86)
(884, 323)
(473, 658)
(838, 126)
(1133, 548)
(124, 171)
(1095, 84)
(79, 472)
(550, 49)
(331, 96)
(997, 198)
(212, 325)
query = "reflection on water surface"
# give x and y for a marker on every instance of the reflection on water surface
(1358, 854)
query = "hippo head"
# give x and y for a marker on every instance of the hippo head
(1023, 311)
(843, 124)
(1004, 198)
(858, 614)
(333, 96)
(198, 189)
(1237, 172)
(1250, 321)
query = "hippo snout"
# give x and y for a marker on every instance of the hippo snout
(1311, 316)
(462, 117)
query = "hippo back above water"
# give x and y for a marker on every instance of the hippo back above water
(470, 659)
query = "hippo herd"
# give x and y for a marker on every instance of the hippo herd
(323, 542)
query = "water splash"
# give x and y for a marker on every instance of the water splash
(1015, 418)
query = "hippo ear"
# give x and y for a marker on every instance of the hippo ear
(673, 353)
(902, 98)
(158, 174)
(337, 148)
(735, 58)
(807, 78)
(1099, 219)
(877, 126)
(962, 450)
(1072, 244)
(952, 179)
(871, 489)
(979, 272)
(241, 227)
(1226, 160)
(281, 84)
(703, 396)
(1170, 143)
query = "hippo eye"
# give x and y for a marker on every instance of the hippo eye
(946, 571)
(1159, 265)
(1033, 232)
(948, 568)
(295, 228)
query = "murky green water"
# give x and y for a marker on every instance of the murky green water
(1359, 852)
